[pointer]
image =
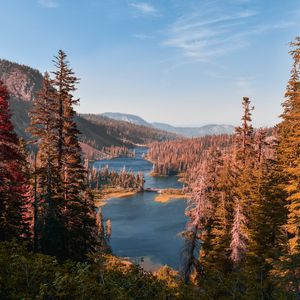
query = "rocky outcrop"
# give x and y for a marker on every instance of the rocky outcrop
(22, 82)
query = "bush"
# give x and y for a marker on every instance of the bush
(27, 275)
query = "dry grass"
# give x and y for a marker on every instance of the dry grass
(101, 197)
(169, 194)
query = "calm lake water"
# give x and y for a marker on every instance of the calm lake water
(144, 230)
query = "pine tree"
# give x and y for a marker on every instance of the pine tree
(103, 233)
(266, 220)
(218, 255)
(14, 200)
(239, 237)
(49, 224)
(65, 206)
(200, 211)
(288, 159)
(78, 211)
(64, 83)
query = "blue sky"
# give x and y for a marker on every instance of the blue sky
(182, 62)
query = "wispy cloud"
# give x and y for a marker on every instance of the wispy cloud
(144, 8)
(214, 29)
(48, 3)
(208, 33)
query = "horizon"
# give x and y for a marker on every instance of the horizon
(167, 62)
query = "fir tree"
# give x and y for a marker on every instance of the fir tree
(78, 210)
(14, 184)
(288, 159)
(244, 165)
(239, 237)
(66, 213)
(49, 223)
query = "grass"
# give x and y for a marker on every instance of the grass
(102, 196)
(169, 194)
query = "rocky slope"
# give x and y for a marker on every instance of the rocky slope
(24, 82)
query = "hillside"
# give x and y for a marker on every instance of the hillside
(210, 129)
(129, 132)
(126, 117)
(23, 83)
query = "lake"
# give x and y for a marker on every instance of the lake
(143, 230)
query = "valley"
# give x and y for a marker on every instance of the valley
(111, 205)
(144, 221)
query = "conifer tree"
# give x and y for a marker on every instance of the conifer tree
(67, 224)
(218, 255)
(288, 159)
(78, 210)
(244, 165)
(239, 237)
(48, 191)
(200, 211)
(14, 198)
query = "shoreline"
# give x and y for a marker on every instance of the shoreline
(170, 194)
(164, 196)
(101, 197)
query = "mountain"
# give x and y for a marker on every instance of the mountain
(210, 129)
(24, 82)
(127, 131)
(127, 118)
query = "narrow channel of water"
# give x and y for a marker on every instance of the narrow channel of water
(142, 229)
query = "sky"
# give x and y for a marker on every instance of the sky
(181, 62)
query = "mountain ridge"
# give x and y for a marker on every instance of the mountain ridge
(187, 131)
(23, 82)
(130, 118)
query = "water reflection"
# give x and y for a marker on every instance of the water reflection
(142, 229)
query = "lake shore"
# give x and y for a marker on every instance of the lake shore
(102, 196)
(163, 196)
(170, 194)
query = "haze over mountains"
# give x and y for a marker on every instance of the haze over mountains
(97, 131)
(210, 129)
(23, 84)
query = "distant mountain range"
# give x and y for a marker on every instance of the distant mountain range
(97, 131)
(210, 129)
(127, 118)
(24, 82)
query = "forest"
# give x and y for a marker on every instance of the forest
(241, 240)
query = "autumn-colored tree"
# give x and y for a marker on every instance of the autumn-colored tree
(244, 164)
(287, 268)
(200, 210)
(14, 198)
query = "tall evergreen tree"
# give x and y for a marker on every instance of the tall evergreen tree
(78, 211)
(65, 205)
(49, 231)
(288, 158)
(14, 206)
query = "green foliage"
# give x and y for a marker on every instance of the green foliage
(26, 275)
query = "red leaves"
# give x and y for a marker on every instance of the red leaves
(13, 182)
